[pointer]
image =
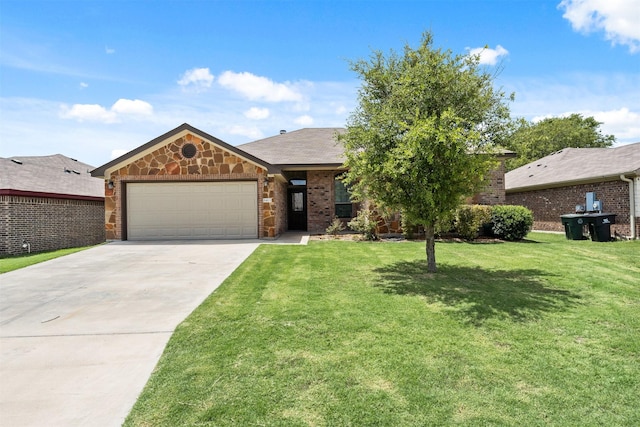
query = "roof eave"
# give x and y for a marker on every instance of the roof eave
(590, 180)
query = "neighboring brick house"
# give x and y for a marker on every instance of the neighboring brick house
(556, 184)
(49, 203)
(187, 184)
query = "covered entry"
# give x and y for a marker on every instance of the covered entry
(192, 210)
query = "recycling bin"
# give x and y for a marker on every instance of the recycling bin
(600, 226)
(574, 226)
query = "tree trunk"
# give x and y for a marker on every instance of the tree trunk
(429, 232)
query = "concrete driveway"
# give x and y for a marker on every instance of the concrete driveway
(80, 335)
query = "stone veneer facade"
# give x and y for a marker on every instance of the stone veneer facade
(211, 163)
(549, 204)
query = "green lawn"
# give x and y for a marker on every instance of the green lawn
(353, 333)
(10, 263)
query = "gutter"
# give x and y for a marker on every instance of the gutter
(632, 206)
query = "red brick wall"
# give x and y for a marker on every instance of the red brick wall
(549, 204)
(320, 200)
(49, 224)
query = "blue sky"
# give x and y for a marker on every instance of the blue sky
(94, 79)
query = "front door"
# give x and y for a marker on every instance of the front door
(297, 208)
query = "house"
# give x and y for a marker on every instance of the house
(49, 203)
(187, 184)
(556, 184)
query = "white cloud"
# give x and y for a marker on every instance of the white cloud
(248, 131)
(98, 113)
(132, 107)
(622, 123)
(259, 88)
(199, 78)
(487, 55)
(109, 51)
(255, 113)
(305, 120)
(88, 112)
(619, 19)
(341, 109)
(84, 85)
(117, 153)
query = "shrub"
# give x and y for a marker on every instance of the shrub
(335, 227)
(364, 223)
(446, 224)
(470, 219)
(511, 222)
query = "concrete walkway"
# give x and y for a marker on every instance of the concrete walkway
(80, 335)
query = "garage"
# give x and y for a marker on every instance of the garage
(192, 210)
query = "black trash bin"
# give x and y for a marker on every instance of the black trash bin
(574, 226)
(600, 226)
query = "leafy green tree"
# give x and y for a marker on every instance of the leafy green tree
(422, 135)
(532, 141)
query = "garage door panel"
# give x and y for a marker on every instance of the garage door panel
(188, 210)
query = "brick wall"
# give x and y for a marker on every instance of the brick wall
(549, 204)
(320, 200)
(49, 224)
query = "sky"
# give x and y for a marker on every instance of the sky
(95, 79)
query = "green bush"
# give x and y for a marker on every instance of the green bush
(469, 220)
(365, 223)
(511, 222)
(446, 224)
(335, 227)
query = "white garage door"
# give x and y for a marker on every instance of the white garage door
(192, 210)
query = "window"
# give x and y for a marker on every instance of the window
(342, 198)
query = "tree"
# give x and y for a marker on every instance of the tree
(421, 137)
(532, 141)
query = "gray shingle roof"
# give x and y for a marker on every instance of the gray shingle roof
(56, 174)
(574, 165)
(309, 146)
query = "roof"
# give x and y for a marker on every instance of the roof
(185, 127)
(55, 175)
(304, 147)
(576, 165)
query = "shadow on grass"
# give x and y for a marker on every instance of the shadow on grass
(476, 295)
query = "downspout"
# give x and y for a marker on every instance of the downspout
(632, 206)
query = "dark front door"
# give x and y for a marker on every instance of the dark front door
(297, 208)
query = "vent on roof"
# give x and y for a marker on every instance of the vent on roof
(16, 161)
(76, 172)
(283, 131)
(67, 170)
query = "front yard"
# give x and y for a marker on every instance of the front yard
(353, 333)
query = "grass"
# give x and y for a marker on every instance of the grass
(347, 333)
(14, 262)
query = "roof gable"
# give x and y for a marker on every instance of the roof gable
(168, 137)
(574, 165)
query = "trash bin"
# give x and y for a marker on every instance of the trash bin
(574, 226)
(600, 226)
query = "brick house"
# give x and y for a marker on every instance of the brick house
(187, 184)
(556, 184)
(49, 203)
